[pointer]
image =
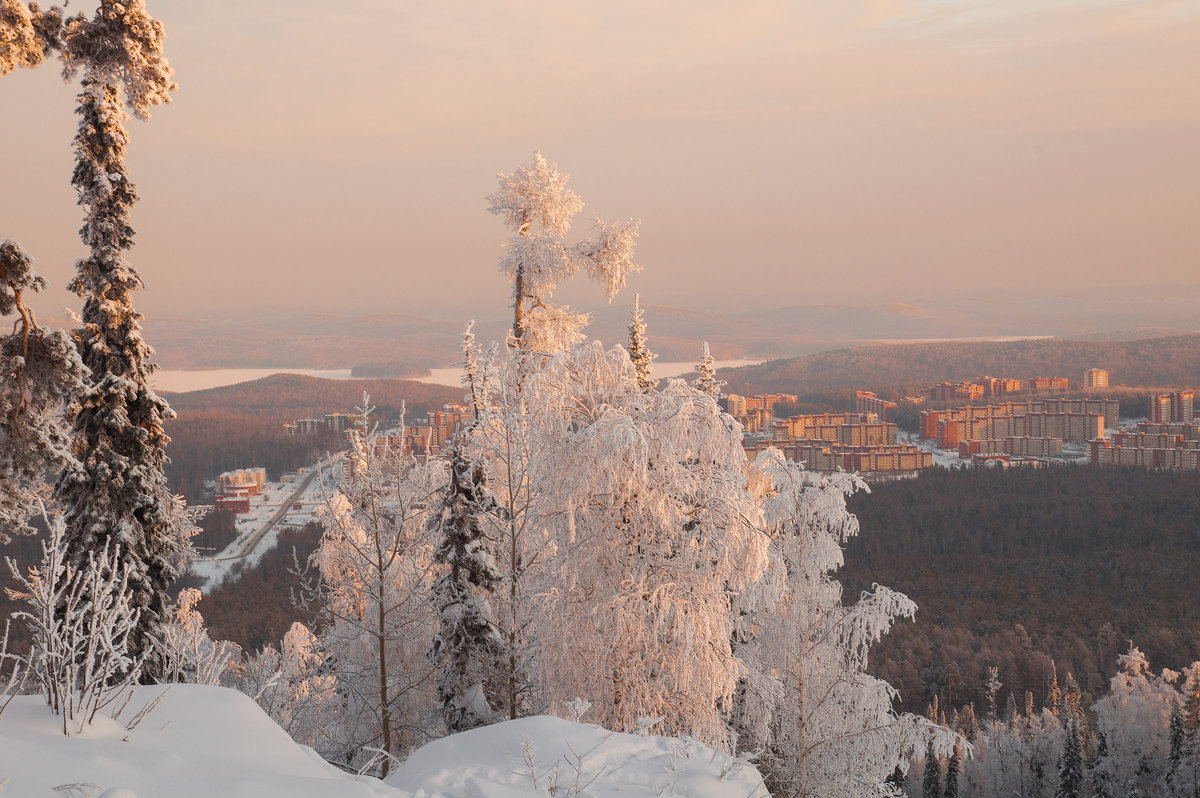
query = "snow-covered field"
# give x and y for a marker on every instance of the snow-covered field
(212, 742)
(258, 530)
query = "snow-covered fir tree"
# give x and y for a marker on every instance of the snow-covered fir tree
(40, 373)
(953, 769)
(706, 381)
(537, 206)
(639, 352)
(468, 650)
(931, 778)
(1071, 781)
(115, 489)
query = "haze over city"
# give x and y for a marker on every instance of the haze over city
(334, 158)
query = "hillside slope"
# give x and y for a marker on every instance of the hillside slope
(1156, 361)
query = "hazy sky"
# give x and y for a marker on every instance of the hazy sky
(335, 156)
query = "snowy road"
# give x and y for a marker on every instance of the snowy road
(258, 529)
(253, 541)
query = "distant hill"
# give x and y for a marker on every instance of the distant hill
(389, 369)
(1173, 360)
(236, 426)
(287, 396)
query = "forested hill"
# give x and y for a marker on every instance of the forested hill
(241, 425)
(287, 396)
(1014, 568)
(1155, 361)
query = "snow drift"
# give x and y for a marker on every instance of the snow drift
(201, 742)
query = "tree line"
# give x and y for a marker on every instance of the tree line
(1022, 568)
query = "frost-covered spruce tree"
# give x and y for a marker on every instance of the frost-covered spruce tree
(538, 207)
(117, 490)
(639, 353)
(1071, 781)
(40, 373)
(953, 768)
(706, 375)
(931, 779)
(468, 650)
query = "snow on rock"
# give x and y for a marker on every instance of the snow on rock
(199, 742)
(544, 755)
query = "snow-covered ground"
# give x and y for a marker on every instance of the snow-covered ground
(203, 742)
(258, 530)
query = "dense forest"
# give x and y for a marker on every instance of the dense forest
(1015, 568)
(1156, 361)
(241, 425)
(397, 369)
(257, 605)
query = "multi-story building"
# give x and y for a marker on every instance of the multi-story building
(832, 456)
(243, 482)
(233, 504)
(1183, 404)
(868, 402)
(1095, 378)
(998, 386)
(1018, 446)
(1069, 419)
(1047, 384)
(954, 391)
(1174, 446)
(755, 413)
(1174, 407)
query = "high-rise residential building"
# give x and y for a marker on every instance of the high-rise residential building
(1183, 405)
(1095, 378)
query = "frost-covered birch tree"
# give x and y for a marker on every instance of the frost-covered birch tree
(40, 373)
(646, 500)
(375, 563)
(825, 726)
(537, 206)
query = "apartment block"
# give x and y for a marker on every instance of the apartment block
(1107, 453)
(822, 456)
(1189, 430)
(1170, 408)
(1016, 446)
(868, 402)
(1095, 378)
(954, 391)
(817, 426)
(1047, 384)
(998, 386)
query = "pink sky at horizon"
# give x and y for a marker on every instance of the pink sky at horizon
(334, 157)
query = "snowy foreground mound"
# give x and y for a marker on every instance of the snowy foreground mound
(549, 756)
(203, 742)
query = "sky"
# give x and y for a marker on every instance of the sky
(334, 157)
